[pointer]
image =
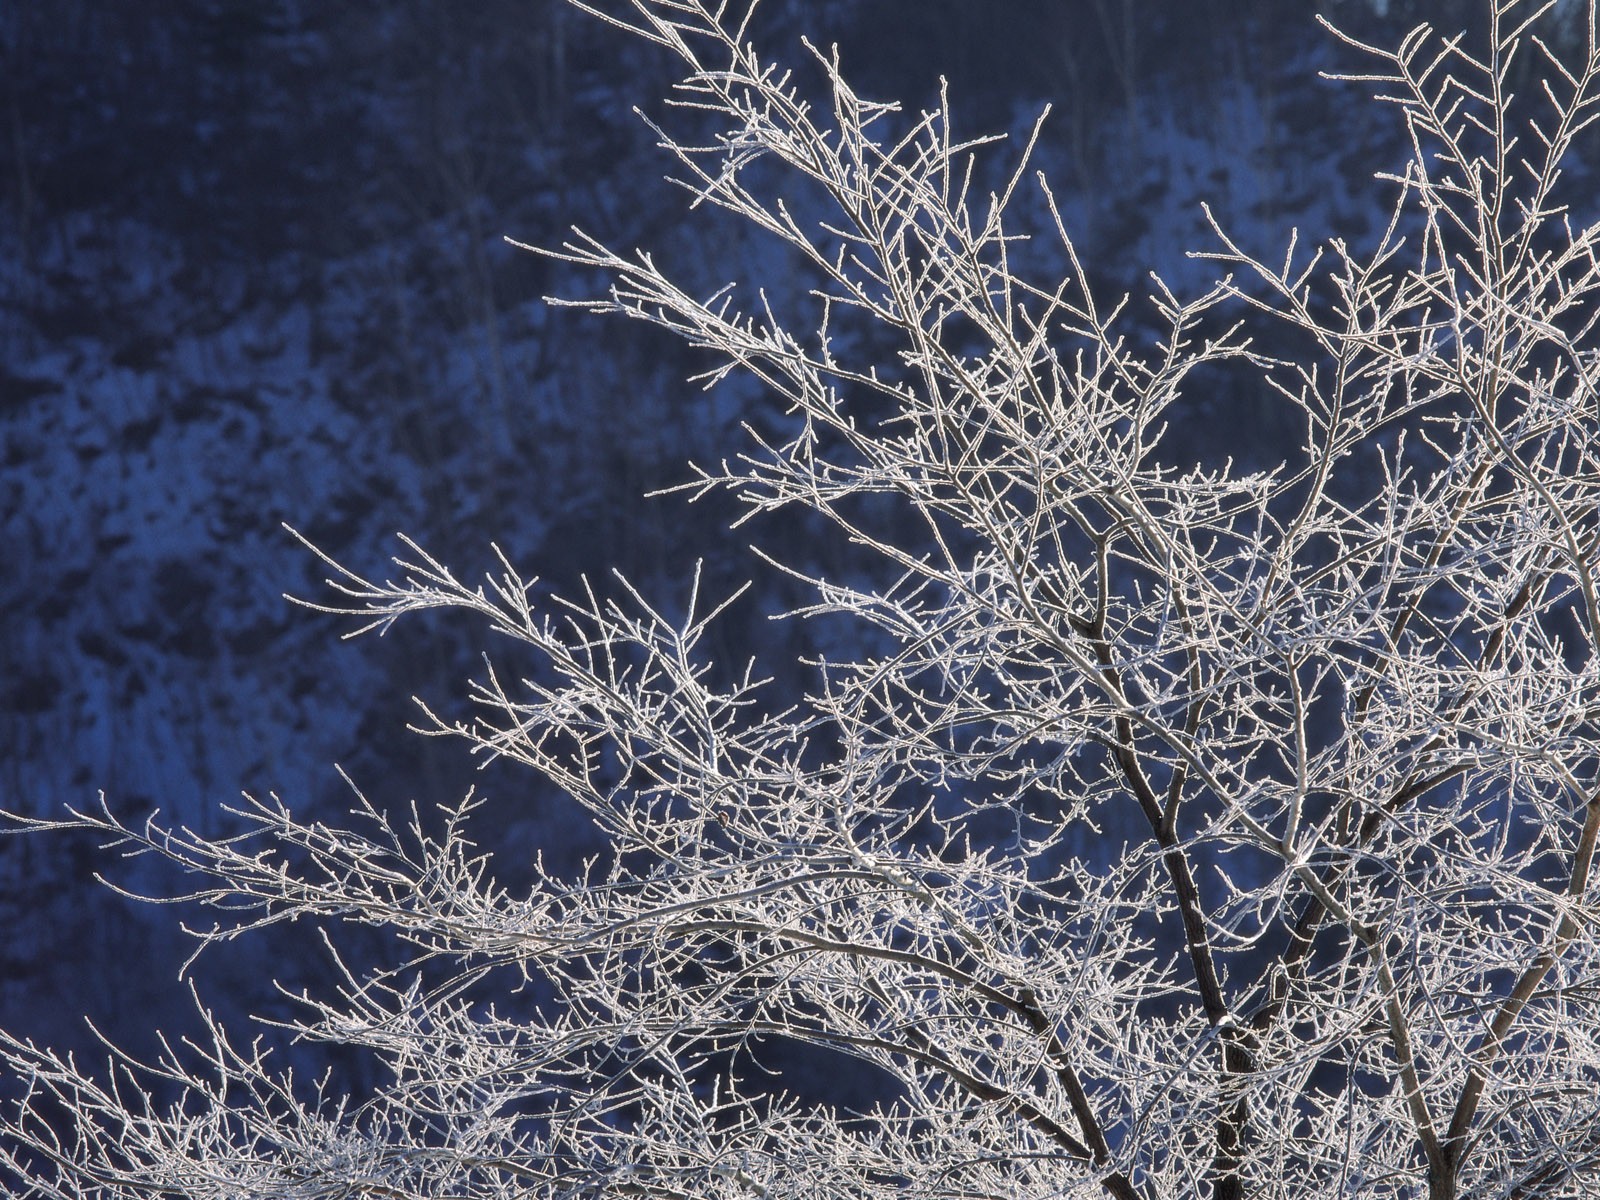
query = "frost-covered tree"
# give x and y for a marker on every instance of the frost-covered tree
(1348, 706)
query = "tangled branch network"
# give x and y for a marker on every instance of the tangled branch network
(1174, 830)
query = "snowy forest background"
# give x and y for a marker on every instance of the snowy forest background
(252, 272)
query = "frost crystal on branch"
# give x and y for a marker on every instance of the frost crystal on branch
(1345, 709)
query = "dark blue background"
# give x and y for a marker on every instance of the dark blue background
(251, 272)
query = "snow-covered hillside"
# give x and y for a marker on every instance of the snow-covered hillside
(252, 273)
